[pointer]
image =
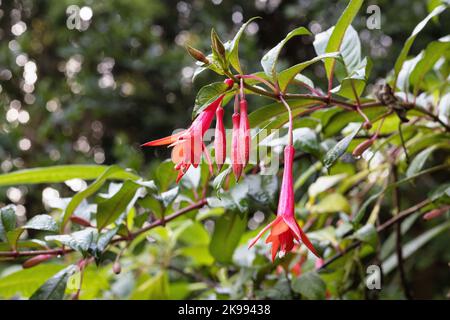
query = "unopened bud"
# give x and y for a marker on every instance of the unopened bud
(235, 153)
(367, 125)
(220, 142)
(216, 44)
(117, 268)
(81, 221)
(435, 213)
(360, 148)
(229, 82)
(36, 260)
(244, 128)
(197, 54)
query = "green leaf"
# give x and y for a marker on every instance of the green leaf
(367, 234)
(169, 196)
(276, 109)
(405, 50)
(444, 108)
(303, 79)
(104, 239)
(434, 51)
(219, 180)
(7, 220)
(306, 140)
(405, 73)
(338, 120)
(199, 254)
(350, 51)
(80, 241)
(412, 246)
(8, 230)
(54, 288)
(226, 236)
(325, 235)
(110, 209)
(419, 161)
(355, 82)
(166, 174)
(57, 174)
(193, 233)
(27, 281)
(339, 31)
(270, 59)
(286, 76)
(13, 236)
(95, 282)
(206, 95)
(233, 47)
(362, 210)
(440, 191)
(153, 288)
(233, 200)
(218, 50)
(262, 188)
(42, 222)
(338, 150)
(108, 173)
(324, 183)
(334, 202)
(310, 285)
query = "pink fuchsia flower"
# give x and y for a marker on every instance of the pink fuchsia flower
(284, 229)
(188, 144)
(244, 128)
(236, 162)
(220, 140)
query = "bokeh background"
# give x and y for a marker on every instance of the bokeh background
(94, 95)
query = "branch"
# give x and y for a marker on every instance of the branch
(432, 116)
(402, 215)
(398, 236)
(157, 223)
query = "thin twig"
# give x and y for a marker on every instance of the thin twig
(130, 237)
(398, 236)
(402, 215)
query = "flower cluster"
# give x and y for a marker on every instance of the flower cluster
(188, 148)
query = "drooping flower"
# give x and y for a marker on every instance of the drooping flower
(236, 162)
(284, 229)
(220, 141)
(244, 128)
(188, 144)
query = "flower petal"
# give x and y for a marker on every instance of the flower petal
(279, 228)
(299, 234)
(252, 243)
(163, 141)
(275, 246)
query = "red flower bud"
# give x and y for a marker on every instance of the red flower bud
(36, 260)
(367, 125)
(363, 146)
(80, 221)
(117, 268)
(244, 128)
(220, 142)
(229, 82)
(435, 213)
(235, 155)
(197, 54)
